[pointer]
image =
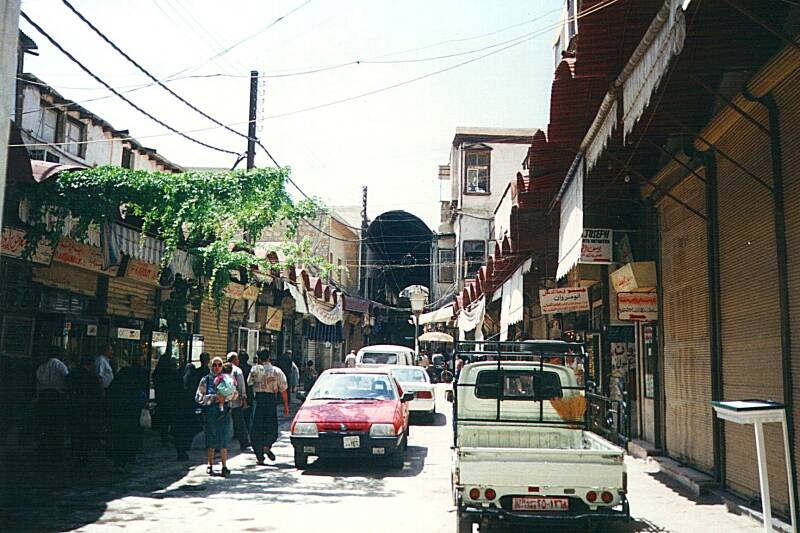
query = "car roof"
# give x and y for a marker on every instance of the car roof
(374, 370)
(386, 347)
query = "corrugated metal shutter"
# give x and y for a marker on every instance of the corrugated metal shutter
(130, 299)
(789, 105)
(687, 357)
(214, 332)
(749, 301)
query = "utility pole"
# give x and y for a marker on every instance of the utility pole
(362, 250)
(251, 125)
(9, 31)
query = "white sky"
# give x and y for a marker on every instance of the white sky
(391, 141)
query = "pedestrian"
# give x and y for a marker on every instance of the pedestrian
(218, 423)
(184, 425)
(284, 362)
(294, 379)
(127, 396)
(240, 429)
(102, 366)
(268, 381)
(350, 359)
(84, 401)
(50, 398)
(167, 390)
(244, 364)
(309, 376)
(193, 374)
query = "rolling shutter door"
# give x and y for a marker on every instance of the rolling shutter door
(130, 299)
(789, 106)
(214, 332)
(749, 302)
(687, 357)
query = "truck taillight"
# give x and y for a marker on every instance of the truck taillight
(474, 494)
(607, 497)
(490, 494)
(591, 496)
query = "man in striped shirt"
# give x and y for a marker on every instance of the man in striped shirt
(268, 382)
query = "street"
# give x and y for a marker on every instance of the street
(329, 496)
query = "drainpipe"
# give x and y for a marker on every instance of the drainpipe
(768, 101)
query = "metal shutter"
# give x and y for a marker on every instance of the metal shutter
(789, 106)
(687, 357)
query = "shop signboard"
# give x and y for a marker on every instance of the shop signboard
(597, 246)
(143, 271)
(274, 320)
(82, 256)
(251, 292)
(160, 337)
(637, 306)
(238, 291)
(564, 300)
(13, 244)
(127, 334)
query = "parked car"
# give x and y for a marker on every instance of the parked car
(523, 454)
(384, 354)
(352, 412)
(415, 379)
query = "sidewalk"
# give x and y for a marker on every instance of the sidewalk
(43, 494)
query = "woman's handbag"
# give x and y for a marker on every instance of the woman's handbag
(145, 420)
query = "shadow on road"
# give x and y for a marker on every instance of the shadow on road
(633, 526)
(424, 420)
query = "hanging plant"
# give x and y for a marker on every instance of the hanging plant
(206, 212)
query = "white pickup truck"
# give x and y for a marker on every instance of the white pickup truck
(522, 454)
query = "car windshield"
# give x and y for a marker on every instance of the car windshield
(352, 386)
(379, 358)
(409, 375)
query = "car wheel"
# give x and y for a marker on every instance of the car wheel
(463, 523)
(300, 460)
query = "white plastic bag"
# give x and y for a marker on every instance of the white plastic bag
(145, 420)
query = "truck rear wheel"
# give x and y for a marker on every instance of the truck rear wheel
(463, 523)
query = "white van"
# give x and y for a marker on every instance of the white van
(384, 354)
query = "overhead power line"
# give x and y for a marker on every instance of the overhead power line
(147, 73)
(119, 94)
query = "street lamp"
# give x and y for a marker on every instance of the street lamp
(417, 298)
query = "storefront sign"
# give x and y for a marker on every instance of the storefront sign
(638, 276)
(127, 334)
(142, 271)
(637, 306)
(274, 319)
(566, 300)
(13, 244)
(82, 256)
(160, 337)
(91, 330)
(251, 292)
(596, 246)
(237, 291)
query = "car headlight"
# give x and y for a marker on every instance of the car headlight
(305, 429)
(381, 430)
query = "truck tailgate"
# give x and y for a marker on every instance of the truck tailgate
(540, 467)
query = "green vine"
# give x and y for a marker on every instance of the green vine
(208, 213)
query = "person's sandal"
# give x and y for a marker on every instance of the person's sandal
(225, 471)
(210, 470)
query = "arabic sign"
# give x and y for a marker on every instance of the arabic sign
(637, 306)
(81, 255)
(639, 276)
(237, 291)
(13, 244)
(596, 246)
(274, 319)
(566, 300)
(142, 271)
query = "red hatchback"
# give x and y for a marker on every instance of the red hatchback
(352, 412)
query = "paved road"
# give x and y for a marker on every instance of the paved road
(161, 495)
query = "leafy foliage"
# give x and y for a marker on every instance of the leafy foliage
(206, 212)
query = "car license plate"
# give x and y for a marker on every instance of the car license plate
(527, 503)
(351, 442)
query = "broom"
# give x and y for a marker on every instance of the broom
(570, 409)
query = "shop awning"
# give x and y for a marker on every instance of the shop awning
(472, 317)
(512, 307)
(322, 313)
(320, 332)
(443, 314)
(299, 299)
(356, 305)
(571, 227)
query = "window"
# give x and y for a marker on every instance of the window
(447, 259)
(531, 385)
(477, 172)
(74, 137)
(127, 158)
(43, 155)
(48, 129)
(474, 257)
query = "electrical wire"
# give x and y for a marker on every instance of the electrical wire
(148, 74)
(119, 94)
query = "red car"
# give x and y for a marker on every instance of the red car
(352, 412)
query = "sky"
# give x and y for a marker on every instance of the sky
(391, 141)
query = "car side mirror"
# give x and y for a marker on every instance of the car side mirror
(591, 385)
(300, 395)
(449, 396)
(407, 397)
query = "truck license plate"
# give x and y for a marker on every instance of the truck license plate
(527, 503)
(351, 442)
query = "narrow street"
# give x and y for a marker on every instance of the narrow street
(160, 495)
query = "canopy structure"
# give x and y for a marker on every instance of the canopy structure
(443, 314)
(435, 336)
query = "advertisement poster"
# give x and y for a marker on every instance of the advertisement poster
(566, 300)
(597, 246)
(639, 306)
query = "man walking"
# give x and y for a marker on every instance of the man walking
(102, 366)
(350, 359)
(239, 404)
(50, 390)
(268, 381)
